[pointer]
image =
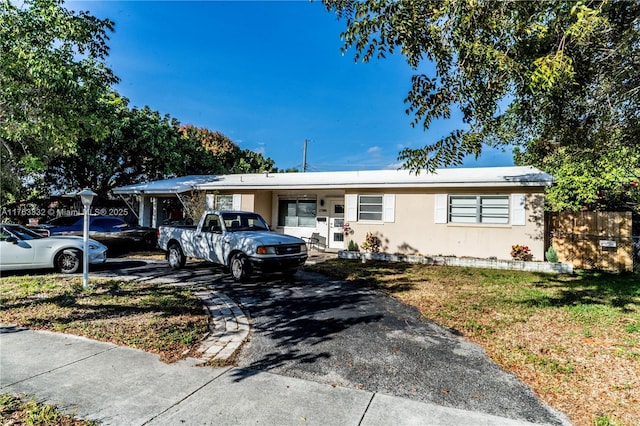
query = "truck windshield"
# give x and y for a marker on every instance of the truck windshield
(244, 222)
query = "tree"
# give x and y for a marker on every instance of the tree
(556, 78)
(213, 152)
(52, 72)
(141, 145)
(252, 162)
(224, 156)
(596, 180)
(52, 76)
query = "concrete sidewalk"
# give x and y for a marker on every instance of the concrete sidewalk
(121, 386)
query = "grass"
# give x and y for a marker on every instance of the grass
(574, 339)
(16, 409)
(162, 319)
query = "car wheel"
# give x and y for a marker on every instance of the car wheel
(68, 261)
(240, 267)
(176, 257)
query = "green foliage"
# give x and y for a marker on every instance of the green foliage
(557, 79)
(520, 252)
(633, 328)
(62, 128)
(551, 255)
(352, 246)
(53, 72)
(17, 409)
(211, 152)
(602, 178)
(53, 77)
(215, 153)
(139, 145)
(604, 420)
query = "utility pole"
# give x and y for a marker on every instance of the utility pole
(304, 157)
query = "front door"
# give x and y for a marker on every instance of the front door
(336, 221)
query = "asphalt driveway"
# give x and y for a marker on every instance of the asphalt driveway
(346, 335)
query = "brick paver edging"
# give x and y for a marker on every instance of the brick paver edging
(228, 329)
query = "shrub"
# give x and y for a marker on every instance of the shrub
(519, 252)
(371, 243)
(352, 246)
(551, 255)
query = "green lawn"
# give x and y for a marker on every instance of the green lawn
(163, 319)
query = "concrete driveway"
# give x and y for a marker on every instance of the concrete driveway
(345, 335)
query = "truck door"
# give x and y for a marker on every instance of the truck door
(209, 244)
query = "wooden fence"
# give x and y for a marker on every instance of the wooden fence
(593, 240)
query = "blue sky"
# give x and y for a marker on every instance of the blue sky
(268, 74)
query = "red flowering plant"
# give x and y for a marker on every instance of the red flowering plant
(520, 252)
(346, 228)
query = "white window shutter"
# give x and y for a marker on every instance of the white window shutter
(352, 207)
(518, 216)
(210, 201)
(237, 202)
(389, 208)
(440, 211)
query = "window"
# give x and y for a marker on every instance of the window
(211, 223)
(223, 202)
(370, 207)
(479, 209)
(380, 208)
(297, 212)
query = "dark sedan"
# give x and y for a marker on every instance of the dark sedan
(111, 231)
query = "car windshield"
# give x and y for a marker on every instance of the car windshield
(244, 222)
(22, 233)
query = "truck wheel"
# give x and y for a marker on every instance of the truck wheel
(176, 257)
(68, 261)
(240, 267)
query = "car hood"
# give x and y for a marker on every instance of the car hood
(268, 237)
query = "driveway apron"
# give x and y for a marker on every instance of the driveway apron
(345, 334)
(348, 335)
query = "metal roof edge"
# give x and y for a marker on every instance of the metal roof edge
(511, 176)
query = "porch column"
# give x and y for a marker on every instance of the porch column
(144, 215)
(154, 212)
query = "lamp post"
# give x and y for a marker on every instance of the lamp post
(86, 196)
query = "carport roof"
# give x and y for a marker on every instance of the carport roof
(457, 177)
(167, 186)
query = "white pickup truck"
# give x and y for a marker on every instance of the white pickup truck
(240, 241)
